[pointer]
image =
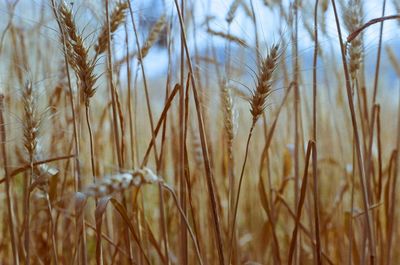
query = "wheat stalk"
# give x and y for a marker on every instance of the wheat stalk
(78, 56)
(10, 208)
(257, 103)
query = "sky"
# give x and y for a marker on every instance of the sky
(268, 25)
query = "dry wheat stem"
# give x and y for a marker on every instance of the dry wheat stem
(192, 220)
(71, 98)
(113, 90)
(236, 205)
(168, 188)
(378, 57)
(206, 159)
(140, 56)
(52, 229)
(84, 68)
(357, 142)
(314, 137)
(358, 31)
(10, 208)
(77, 171)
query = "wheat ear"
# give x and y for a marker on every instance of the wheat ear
(153, 35)
(353, 20)
(31, 123)
(229, 117)
(263, 89)
(232, 11)
(117, 18)
(257, 102)
(120, 182)
(78, 55)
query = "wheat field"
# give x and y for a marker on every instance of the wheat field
(199, 132)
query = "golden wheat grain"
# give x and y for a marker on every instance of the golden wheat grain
(353, 20)
(120, 182)
(78, 55)
(31, 120)
(232, 11)
(153, 35)
(117, 18)
(263, 89)
(393, 60)
(229, 117)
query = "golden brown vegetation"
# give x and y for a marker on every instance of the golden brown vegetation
(103, 163)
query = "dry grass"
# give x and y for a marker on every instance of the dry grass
(103, 161)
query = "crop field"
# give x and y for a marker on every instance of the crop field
(206, 132)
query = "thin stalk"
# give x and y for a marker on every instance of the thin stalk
(160, 122)
(182, 183)
(351, 239)
(369, 158)
(187, 225)
(373, 21)
(396, 173)
(10, 208)
(77, 171)
(378, 57)
(204, 146)
(146, 90)
(314, 137)
(314, 131)
(87, 113)
(129, 100)
(53, 230)
(296, 100)
(254, 18)
(164, 228)
(238, 192)
(163, 223)
(113, 92)
(114, 98)
(27, 190)
(311, 148)
(393, 166)
(182, 169)
(357, 142)
(281, 199)
(296, 103)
